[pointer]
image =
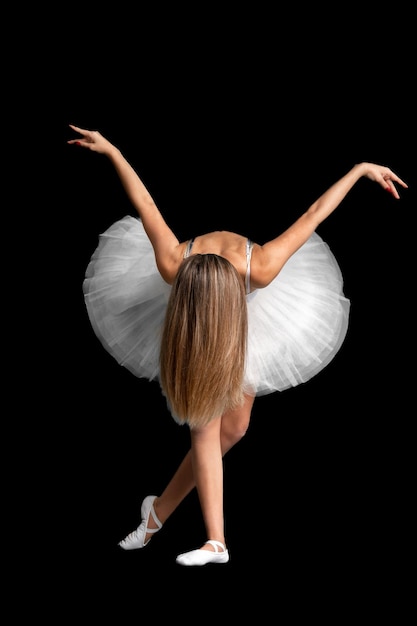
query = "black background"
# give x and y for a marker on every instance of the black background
(237, 125)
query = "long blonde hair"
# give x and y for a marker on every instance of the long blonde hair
(204, 340)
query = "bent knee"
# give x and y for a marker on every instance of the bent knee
(234, 431)
(239, 433)
(235, 423)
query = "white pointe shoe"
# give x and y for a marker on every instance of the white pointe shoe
(201, 557)
(136, 539)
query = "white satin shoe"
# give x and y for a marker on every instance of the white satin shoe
(202, 557)
(136, 539)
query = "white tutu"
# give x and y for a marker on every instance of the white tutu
(296, 324)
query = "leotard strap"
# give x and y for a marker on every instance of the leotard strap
(249, 246)
(188, 248)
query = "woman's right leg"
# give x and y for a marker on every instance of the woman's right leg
(234, 425)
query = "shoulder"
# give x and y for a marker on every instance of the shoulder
(169, 263)
(264, 266)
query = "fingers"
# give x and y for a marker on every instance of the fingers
(389, 179)
(398, 180)
(388, 174)
(79, 142)
(87, 140)
(81, 131)
(390, 187)
(385, 177)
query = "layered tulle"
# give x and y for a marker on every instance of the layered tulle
(126, 297)
(296, 324)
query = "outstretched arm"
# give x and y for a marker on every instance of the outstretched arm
(162, 238)
(275, 253)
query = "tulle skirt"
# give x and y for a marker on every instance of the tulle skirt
(296, 325)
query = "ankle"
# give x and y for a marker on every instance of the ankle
(157, 509)
(214, 545)
(162, 508)
(154, 521)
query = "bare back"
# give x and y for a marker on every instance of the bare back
(226, 244)
(265, 263)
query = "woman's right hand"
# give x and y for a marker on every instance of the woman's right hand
(384, 176)
(92, 140)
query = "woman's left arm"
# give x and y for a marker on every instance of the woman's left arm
(162, 238)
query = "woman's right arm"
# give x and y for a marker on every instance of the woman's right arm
(274, 254)
(162, 238)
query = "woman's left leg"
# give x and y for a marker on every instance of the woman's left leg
(203, 458)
